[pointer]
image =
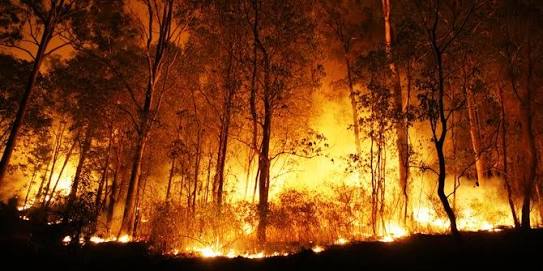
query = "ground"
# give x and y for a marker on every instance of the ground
(484, 251)
(24, 246)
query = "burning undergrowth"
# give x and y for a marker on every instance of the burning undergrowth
(299, 219)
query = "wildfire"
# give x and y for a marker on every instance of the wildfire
(341, 241)
(210, 252)
(394, 232)
(122, 239)
(317, 249)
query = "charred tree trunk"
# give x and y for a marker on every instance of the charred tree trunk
(441, 121)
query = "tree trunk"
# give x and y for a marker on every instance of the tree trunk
(135, 174)
(21, 110)
(527, 124)
(84, 150)
(354, 107)
(401, 126)
(103, 179)
(113, 196)
(148, 110)
(170, 178)
(503, 134)
(56, 151)
(475, 134)
(263, 184)
(196, 171)
(439, 141)
(30, 183)
(70, 151)
(223, 145)
(531, 162)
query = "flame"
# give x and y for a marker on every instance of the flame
(208, 252)
(317, 249)
(97, 239)
(341, 241)
(211, 252)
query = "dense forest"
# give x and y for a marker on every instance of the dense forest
(228, 126)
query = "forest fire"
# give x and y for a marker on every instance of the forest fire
(259, 129)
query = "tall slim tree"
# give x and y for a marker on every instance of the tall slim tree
(168, 19)
(402, 128)
(44, 20)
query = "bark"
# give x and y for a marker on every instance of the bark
(401, 125)
(47, 33)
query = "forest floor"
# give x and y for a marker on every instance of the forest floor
(508, 249)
